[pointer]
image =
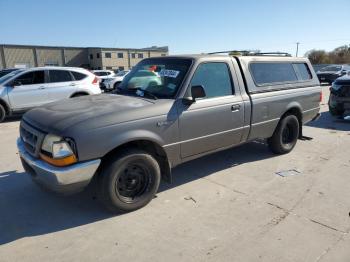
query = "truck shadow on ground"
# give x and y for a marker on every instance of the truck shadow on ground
(327, 121)
(26, 210)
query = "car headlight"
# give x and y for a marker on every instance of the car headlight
(336, 87)
(57, 151)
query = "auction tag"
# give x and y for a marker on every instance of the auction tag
(169, 73)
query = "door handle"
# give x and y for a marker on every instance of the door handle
(72, 84)
(41, 88)
(235, 108)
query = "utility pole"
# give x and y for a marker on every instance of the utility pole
(296, 54)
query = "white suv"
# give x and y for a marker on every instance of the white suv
(112, 82)
(24, 89)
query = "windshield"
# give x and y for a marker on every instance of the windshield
(6, 71)
(4, 78)
(156, 77)
(331, 69)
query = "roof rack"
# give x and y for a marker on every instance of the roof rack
(251, 53)
(273, 54)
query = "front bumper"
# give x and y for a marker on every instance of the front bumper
(68, 180)
(336, 101)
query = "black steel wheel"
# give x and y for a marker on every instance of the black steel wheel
(285, 136)
(129, 180)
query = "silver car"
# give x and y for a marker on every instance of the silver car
(25, 89)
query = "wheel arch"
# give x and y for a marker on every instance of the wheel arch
(149, 145)
(6, 106)
(79, 93)
(295, 109)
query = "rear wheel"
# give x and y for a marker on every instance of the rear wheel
(285, 136)
(2, 113)
(129, 181)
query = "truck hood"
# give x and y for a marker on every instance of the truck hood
(88, 112)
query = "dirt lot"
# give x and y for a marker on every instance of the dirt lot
(230, 206)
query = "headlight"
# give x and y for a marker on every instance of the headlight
(48, 142)
(57, 151)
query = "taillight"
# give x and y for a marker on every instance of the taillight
(321, 96)
(95, 81)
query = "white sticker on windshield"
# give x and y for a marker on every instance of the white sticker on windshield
(169, 73)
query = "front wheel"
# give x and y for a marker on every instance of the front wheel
(129, 180)
(116, 84)
(2, 113)
(285, 136)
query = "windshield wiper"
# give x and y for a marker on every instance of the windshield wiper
(145, 92)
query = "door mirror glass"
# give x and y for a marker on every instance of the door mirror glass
(16, 83)
(197, 92)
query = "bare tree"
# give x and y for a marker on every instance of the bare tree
(340, 55)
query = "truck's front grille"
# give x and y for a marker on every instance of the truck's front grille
(32, 138)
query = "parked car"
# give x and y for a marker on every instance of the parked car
(329, 73)
(103, 74)
(7, 71)
(190, 106)
(339, 98)
(25, 89)
(112, 82)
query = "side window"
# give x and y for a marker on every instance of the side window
(57, 76)
(32, 78)
(215, 78)
(303, 71)
(270, 73)
(78, 76)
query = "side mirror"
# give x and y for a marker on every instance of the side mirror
(196, 92)
(16, 83)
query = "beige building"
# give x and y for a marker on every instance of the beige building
(87, 57)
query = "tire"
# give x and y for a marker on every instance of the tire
(285, 136)
(2, 113)
(128, 181)
(116, 84)
(337, 110)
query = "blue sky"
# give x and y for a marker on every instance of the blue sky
(186, 26)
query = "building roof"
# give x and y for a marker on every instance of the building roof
(152, 48)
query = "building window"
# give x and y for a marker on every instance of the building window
(133, 55)
(121, 68)
(108, 55)
(91, 56)
(120, 55)
(163, 54)
(140, 55)
(97, 55)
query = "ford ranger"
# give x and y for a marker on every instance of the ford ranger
(190, 106)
